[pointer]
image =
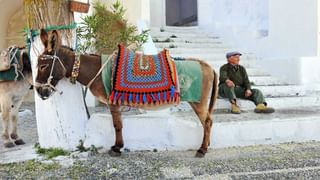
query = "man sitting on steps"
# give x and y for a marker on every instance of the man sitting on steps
(234, 83)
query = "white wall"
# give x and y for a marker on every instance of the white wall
(7, 9)
(249, 14)
(293, 30)
(157, 13)
(291, 50)
(137, 9)
(270, 28)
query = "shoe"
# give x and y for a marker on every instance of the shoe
(235, 109)
(261, 108)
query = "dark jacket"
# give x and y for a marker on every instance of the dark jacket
(237, 74)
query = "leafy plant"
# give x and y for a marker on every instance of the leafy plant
(104, 30)
(81, 148)
(50, 152)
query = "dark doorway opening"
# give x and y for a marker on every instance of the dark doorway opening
(181, 12)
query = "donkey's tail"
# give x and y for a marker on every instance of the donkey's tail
(214, 92)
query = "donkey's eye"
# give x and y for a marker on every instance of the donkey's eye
(43, 67)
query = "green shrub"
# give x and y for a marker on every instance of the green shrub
(102, 31)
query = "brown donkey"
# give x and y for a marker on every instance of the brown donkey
(57, 62)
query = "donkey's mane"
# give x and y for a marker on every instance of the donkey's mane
(72, 50)
(67, 47)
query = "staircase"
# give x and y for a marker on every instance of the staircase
(297, 116)
(192, 42)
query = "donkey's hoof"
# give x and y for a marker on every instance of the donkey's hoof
(9, 144)
(200, 153)
(19, 142)
(115, 151)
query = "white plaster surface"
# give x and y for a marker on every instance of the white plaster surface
(61, 119)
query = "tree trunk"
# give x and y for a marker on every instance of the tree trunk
(62, 118)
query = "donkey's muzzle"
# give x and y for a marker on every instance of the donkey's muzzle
(44, 92)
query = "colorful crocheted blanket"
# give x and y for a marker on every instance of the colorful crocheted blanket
(140, 80)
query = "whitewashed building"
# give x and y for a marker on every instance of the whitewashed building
(281, 31)
(283, 36)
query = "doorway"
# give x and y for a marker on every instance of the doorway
(181, 12)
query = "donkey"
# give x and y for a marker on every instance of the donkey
(56, 62)
(11, 97)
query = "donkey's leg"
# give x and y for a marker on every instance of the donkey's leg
(202, 109)
(206, 121)
(14, 118)
(5, 109)
(117, 123)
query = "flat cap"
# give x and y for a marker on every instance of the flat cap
(233, 53)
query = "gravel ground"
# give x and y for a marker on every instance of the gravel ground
(284, 161)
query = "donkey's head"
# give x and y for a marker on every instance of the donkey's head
(54, 63)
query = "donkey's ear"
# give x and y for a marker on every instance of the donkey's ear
(44, 37)
(54, 40)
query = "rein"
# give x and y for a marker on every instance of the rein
(99, 72)
(76, 70)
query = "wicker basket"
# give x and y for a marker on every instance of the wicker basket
(80, 7)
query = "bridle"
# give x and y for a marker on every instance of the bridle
(74, 73)
(54, 58)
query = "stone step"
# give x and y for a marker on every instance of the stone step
(278, 102)
(267, 81)
(183, 34)
(194, 31)
(187, 40)
(216, 64)
(285, 125)
(204, 50)
(212, 56)
(282, 90)
(189, 45)
(255, 72)
(175, 29)
(169, 130)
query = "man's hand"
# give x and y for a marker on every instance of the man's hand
(248, 93)
(229, 83)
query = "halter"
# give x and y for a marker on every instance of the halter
(54, 58)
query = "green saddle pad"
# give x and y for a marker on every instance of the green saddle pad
(10, 75)
(190, 80)
(189, 75)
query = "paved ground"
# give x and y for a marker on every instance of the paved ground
(285, 161)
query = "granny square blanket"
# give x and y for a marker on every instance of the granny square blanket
(139, 80)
